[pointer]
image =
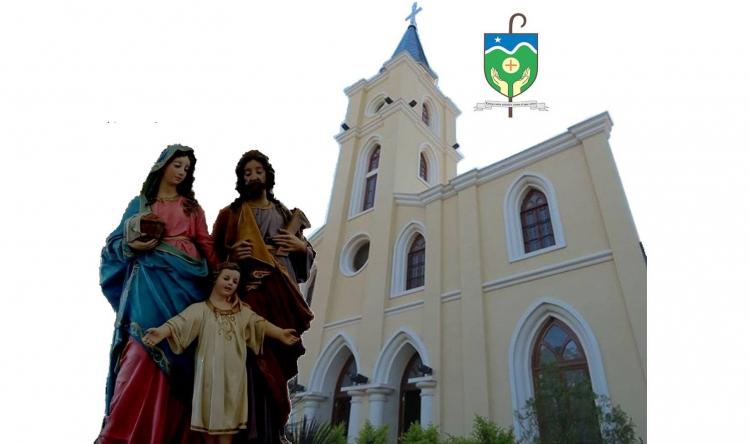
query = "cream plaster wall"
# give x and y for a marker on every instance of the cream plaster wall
(450, 371)
(593, 292)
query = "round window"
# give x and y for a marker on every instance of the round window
(355, 255)
(360, 256)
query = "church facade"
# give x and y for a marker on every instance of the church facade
(436, 295)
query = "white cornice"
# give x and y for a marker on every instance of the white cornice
(310, 396)
(376, 122)
(600, 123)
(419, 72)
(450, 296)
(435, 192)
(403, 307)
(408, 200)
(353, 88)
(343, 322)
(549, 270)
(426, 80)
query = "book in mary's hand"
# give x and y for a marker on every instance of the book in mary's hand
(144, 227)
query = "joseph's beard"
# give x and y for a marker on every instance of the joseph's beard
(252, 190)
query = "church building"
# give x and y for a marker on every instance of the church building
(437, 295)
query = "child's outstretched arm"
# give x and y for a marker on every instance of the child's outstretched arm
(287, 336)
(154, 336)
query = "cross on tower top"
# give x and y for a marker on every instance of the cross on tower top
(413, 16)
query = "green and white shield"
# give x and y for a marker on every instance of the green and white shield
(511, 62)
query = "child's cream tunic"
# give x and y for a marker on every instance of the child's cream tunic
(220, 385)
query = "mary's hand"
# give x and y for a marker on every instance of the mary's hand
(143, 245)
(152, 337)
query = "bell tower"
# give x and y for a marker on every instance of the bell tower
(398, 138)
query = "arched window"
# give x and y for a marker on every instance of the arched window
(423, 167)
(410, 405)
(371, 178)
(342, 402)
(536, 222)
(415, 263)
(533, 224)
(376, 104)
(426, 114)
(562, 385)
(428, 165)
(409, 257)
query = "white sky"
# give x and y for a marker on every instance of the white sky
(223, 77)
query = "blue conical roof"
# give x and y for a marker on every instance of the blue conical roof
(411, 44)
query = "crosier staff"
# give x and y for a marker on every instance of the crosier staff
(510, 31)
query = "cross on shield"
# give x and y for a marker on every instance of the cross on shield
(511, 62)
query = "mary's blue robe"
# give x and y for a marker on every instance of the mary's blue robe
(146, 288)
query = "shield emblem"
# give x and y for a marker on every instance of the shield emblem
(511, 62)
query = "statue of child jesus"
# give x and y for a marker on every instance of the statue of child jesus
(225, 328)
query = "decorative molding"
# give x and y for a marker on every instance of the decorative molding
(398, 105)
(309, 396)
(473, 177)
(354, 390)
(450, 296)
(408, 200)
(404, 307)
(385, 360)
(601, 123)
(408, 292)
(361, 213)
(424, 381)
(342, 322)
(420, 73)
(377, 389)
(367, 128)
(321, 377)
(549, 270)
(361, 83)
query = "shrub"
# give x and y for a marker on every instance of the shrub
(417, 435)
(487, 432)
(484, 431)
(618, 427)
(370, 435)
(568, 412)
(314, 432)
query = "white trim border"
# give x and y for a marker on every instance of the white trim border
(549, 270)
